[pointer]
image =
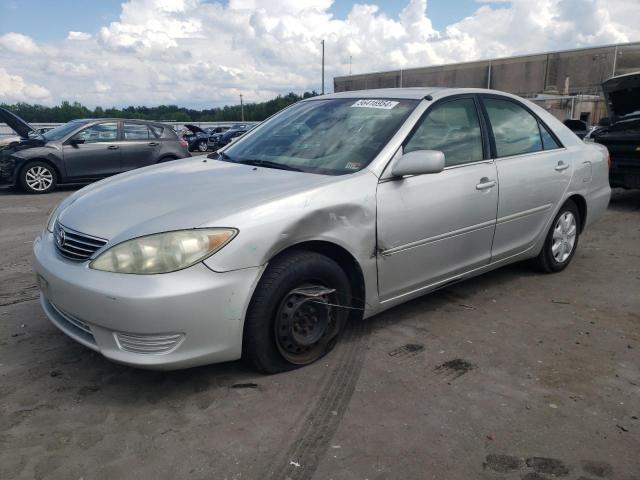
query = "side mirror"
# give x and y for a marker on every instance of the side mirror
(76, 141)
(418, 162)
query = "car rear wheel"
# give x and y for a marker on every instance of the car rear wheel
(296, 313)
(562, 240)
(202, 146)
(38, 177)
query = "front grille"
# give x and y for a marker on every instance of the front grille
(75, 245)
(148, 344)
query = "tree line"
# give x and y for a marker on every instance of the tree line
(71, 110)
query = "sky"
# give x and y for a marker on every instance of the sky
(205, 53)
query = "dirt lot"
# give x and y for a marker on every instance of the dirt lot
(513, 375)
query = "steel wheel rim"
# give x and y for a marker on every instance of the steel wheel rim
(564, 237)
(39, 178)
(298, 346)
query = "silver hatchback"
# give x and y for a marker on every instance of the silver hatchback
(335, 209)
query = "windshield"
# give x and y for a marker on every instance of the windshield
(332, 137)
(62, 131)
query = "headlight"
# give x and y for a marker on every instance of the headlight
(163, 252)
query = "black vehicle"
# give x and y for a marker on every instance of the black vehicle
(622, 134)
(576, 126)
(233, 133)
(196, 138)
(202, 139)
(82, 151)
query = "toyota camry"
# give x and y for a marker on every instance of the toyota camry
(335, 209)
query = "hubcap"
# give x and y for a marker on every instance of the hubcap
(202, 146)
(305, 323)
(564, 237)
(39, 178)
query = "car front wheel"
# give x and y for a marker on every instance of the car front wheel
(297, 312)
(202, 146)
(562, 240)
(38, 177)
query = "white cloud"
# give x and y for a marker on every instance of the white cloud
(200, 53)
(13, 88)
(18, 43)
(78, 36)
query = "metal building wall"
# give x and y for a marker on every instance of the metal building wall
(568, 72)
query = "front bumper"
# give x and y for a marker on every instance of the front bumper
(131, 318)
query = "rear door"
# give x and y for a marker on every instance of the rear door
(97, 153)
(534, 171)
(140, 145)
(434, 227)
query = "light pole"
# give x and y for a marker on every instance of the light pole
(322, 67)
(241, 109)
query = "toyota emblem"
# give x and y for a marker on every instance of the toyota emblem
(60, 238)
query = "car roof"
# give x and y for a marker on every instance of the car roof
(411, 93)
(140, 120)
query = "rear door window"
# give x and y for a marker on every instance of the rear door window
(515, 130)
(137, 131)
(548, 141)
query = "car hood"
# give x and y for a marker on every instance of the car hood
(622, 95)
(194, 128)
(178, 195)
(17, 124)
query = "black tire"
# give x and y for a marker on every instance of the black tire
(38, 177)
(269, 342)
(547, 261)
(202, 146)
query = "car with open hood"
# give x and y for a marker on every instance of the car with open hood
(82, 151)
(337, 208)
(621, 132)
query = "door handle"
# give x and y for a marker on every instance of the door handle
(153, 144)
(561, 166)
(485, 183)
(113, 147)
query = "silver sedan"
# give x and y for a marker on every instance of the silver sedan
(335, 209)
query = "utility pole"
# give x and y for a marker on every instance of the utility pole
(241, 109)
(322, 67)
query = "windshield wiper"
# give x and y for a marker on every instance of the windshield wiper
(220, 156)
(268, 164)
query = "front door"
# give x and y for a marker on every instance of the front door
(140, 146)
(95, 154)
(434, 227)
(533, 171)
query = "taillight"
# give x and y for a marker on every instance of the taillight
(184, 143)
(609, 160)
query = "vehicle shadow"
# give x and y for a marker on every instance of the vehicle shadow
(6, 191)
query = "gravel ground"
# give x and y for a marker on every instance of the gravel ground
(513, 375)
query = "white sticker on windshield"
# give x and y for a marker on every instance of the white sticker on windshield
(371, 103)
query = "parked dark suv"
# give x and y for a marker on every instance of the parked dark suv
(83, 151)
(621, 132)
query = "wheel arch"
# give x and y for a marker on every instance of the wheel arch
(167, 158)
(581, 203)
(345, 260)
(28, 162)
